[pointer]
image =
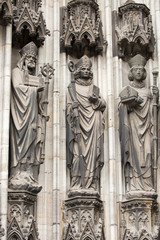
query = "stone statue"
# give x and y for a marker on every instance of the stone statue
(27, 122)
(136, 130)
(85, 130)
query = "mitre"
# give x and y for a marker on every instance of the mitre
(137, 60)
(30, 48)
(84, 61)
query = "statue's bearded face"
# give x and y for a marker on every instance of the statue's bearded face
(85, 72)
(138, 73)
(30, 61)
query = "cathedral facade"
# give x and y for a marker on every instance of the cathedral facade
(79, 120)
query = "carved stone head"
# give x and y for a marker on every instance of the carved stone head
(83, 68)
(137, 71)
(28, 57)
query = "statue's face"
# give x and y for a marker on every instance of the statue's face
(85, 72)
(30, 61)
(138, 73)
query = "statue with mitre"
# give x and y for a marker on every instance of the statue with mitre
(28, 119)
(85, 130)
(136, 130)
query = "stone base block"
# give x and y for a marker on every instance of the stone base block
(83, 218)
(22, 215)
(139, 219)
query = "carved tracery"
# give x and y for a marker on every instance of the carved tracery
(133, 28)
(5, 12)
(29, 24)
(81, 28)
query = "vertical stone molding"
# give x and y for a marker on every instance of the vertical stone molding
(83, 217)
(6, 12)
(29, 24)
(133, 30)
(81, 28)
(21, 215)
(139, 219)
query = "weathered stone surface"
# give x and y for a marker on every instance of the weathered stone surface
(83, 218)
(6, 12)
(2, 231)
(29, 24)
(81, 28)
(29, 100)
(85, 129)
(136, 135)
(133, 28)
(21, 212)
(139, 219)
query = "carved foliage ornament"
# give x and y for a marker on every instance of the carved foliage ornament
(5, 12)
(17, 231)
(136, 222)
(21, 221)
(81, 28)
(133, 27)
(28, 21)
(84, 220)
(144, 235)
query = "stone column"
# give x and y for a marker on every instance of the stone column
(5, 84)
(56, 120)
(111, 124)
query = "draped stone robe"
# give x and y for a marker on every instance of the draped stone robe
(25, 132)
(136, 129)
(92, 138)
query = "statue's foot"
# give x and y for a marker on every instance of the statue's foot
(24, 181)
(83, 192)
(141, 194)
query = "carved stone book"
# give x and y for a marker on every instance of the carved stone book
(130, 96)
(35, 81)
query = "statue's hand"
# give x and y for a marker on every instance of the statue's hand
(75, 105)
(100, 164)
(46, 117)
(40, 89)
(93, 98)
(139, 100)
(155, 90)
(133, 103)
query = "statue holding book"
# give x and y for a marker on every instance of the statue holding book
(85, 130)
(136, 130)
(28, 119)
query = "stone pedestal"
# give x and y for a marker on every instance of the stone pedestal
(139, 219)
(22, 215)
(83, 217)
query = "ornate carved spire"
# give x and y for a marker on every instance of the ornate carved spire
(29, 24)
(133, 27)
(5, 12)
(82, 28)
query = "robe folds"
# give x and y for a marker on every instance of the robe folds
(25, 133)
(91, 140)
(136, 135)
